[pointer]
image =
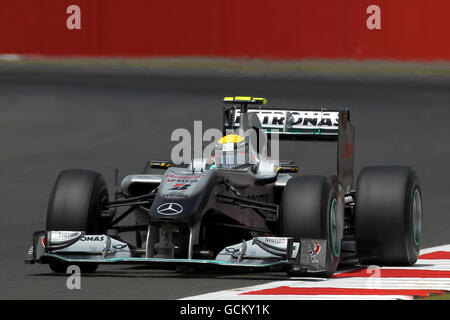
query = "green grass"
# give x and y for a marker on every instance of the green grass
(438, 297)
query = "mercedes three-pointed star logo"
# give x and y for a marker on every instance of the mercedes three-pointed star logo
(169, 209)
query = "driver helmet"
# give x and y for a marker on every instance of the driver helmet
(231, 151)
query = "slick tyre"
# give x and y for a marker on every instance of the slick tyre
(76, 201)
(311, 208)
(388, 217)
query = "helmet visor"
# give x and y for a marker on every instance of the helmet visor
(231, 155)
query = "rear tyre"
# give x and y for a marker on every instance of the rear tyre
(312, 209)
(76, 202)
(388, 218)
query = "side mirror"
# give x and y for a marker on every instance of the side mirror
(160, 164)
(287, 167)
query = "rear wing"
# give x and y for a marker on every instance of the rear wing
(290, 123)
(316, 125)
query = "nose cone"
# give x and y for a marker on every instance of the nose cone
(181, 194)
(169, 209)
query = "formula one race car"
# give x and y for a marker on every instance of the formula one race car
(240, 208)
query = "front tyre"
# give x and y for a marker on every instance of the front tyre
(76, 202)
(311, 208)
(388, 219)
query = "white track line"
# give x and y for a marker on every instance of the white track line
(357, 283)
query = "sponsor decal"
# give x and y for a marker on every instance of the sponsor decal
(237, 253)
(276, 240)
(313, 250)
(182, 180)
(182, 177)
(175, 195)
(119, 246)
(180, 186)
(165, 248)
(169, 209)
(57, 236)
(63, 234)
(300, 119)
(93, 238)
(232, 250)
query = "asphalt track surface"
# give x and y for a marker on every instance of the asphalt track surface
(57, 118)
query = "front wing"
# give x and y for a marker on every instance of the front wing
(74, 247)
